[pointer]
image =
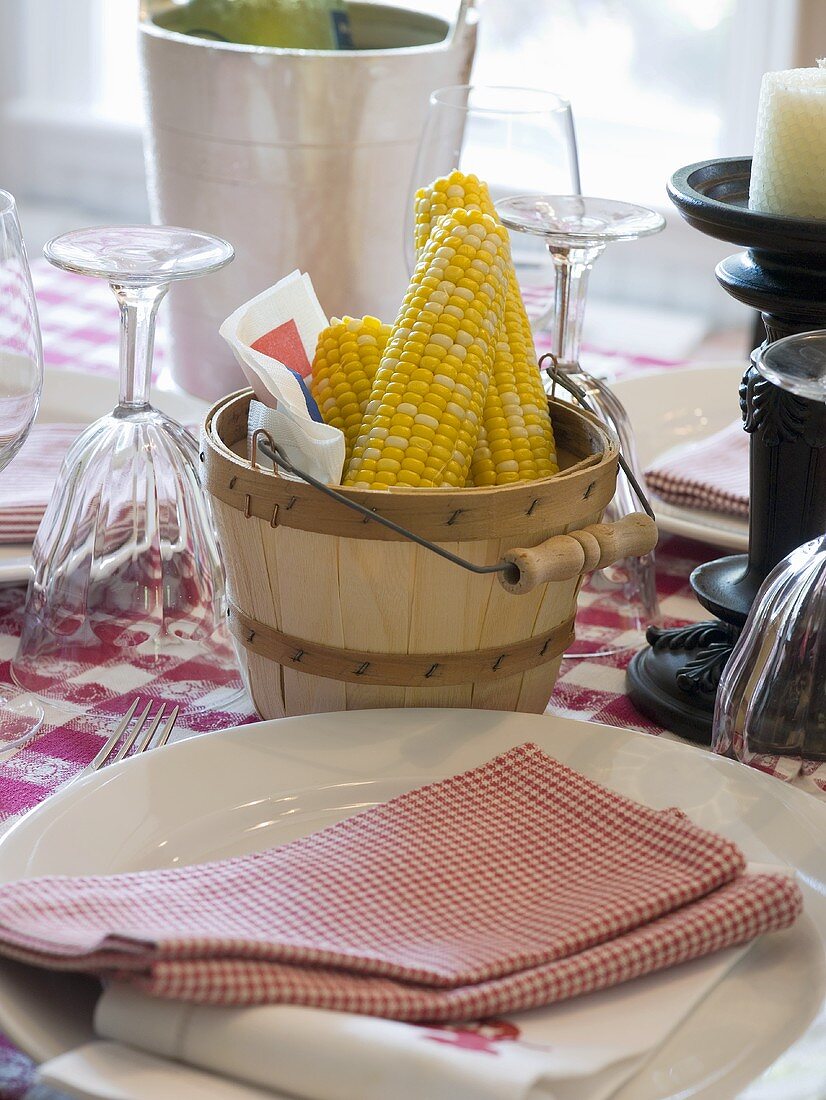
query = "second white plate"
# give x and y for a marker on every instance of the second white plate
(680, 406)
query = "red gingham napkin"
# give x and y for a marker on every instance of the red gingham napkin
(712, 474)
(513, 885)
(27, 483)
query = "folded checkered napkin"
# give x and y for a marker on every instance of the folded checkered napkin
(711, 474)
(510, 886)
(27, 483)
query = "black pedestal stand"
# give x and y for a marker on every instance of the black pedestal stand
(783, 274)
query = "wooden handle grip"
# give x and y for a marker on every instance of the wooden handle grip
(566, 556)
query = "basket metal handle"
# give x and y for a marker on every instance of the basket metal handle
(559, 378)
(268, 447)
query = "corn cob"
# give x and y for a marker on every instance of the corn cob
(422, 420)
(346, 360)
(516, 441)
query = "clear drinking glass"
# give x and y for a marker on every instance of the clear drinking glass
(21, 379)
(772, 694)
(576, 231)
(126, 566)
(516, 139)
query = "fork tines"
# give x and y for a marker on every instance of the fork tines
(138, 736)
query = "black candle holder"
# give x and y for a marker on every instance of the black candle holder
(783, 274)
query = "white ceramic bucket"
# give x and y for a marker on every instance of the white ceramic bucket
(300, 158)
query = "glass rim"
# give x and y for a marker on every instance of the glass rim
(770, 351)
(94, 263)
(770, 363)
(554, 103)
(7, 202)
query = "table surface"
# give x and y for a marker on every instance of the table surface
(80, 331)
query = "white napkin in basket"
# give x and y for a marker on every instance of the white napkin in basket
(273, 337)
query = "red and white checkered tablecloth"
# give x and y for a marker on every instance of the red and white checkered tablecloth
(80, 331)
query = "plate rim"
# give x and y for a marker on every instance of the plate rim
(792, 797)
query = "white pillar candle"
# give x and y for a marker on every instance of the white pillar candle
(788, 172)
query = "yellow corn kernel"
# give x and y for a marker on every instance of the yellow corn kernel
(346, 360)
(457, 349)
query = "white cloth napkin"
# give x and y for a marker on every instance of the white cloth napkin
(712, 474)
(273, 337)
(581, 1049)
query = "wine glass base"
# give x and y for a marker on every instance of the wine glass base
(197, 676)
(138, 255)
(126, 569)
(21, 718)
(578, 221)
(616, 606)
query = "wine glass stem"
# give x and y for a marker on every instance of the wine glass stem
(138, 307)
(572, 267)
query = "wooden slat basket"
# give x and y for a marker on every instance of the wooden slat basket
(334, 612)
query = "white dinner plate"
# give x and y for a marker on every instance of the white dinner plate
(249, 788)
(71, 397)
(680, 406)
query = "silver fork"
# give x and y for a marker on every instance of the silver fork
(138, 737)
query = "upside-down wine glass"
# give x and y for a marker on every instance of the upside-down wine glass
(21, 379)
(772, 695)
(516, 139)
(576, 231)
(126, 566)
